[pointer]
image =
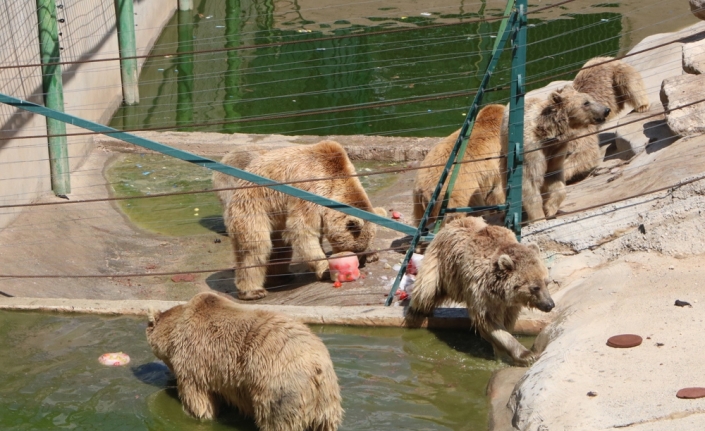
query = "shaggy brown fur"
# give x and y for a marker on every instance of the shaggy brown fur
(616, 85)
(485, 268)
(548, 124)
(237, 158)
(269, 366)
(266, 226)
(478, 183)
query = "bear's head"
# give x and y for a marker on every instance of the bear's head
(347, 233)
(159, 331)
(524, 275)
(581, 109)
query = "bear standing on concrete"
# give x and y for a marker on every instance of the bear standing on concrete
(479, 182)
(548, 126)
(614, 84)
(485, 268)
(267, 365)
(239, 159)
(266, 226)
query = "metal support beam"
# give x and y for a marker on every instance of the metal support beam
(125, 15)
(515, 151)
(184, 70)
(207, 163)
(53, 89)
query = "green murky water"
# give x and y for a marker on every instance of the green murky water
(190, 214)
(403, 83)
(391, 379)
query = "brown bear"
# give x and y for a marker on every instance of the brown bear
(614, 84)
(266, 226)
(478, 182)
(238, 159)
(549, 124)
(267, 365)
(484, 267)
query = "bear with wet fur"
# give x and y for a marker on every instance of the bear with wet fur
(267, 365)
(549, 124)
(266, 226)
(479, 182)
(614, 84)
(485, 268)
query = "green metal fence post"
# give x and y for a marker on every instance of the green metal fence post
(185, 4)
(184, 70)
(515, 151)
(52, 86)
(125, 16)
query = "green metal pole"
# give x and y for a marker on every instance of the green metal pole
(185, 4)
(53, 96)
(184, 69)
(515, 152)
(125, 14)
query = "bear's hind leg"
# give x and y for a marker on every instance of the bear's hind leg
(197, 403)
(427, 293)
(553, 189)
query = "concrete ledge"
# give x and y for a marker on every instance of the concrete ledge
(444, 318)
(209, 144)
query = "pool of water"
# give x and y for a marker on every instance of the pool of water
(347, 74)
(391, 379)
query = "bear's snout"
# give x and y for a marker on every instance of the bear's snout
(546, 305)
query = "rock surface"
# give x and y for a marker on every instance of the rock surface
(694, 57)
(683, 97)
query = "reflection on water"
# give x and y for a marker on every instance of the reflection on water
(391, 379)
(334, 84)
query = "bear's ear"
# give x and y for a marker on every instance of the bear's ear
(505, 263)
(534, 247)
(354, 224)
(556, 97)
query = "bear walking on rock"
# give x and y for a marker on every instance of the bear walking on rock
(549, 124)
(267, 365)
(479, 181)
(614, 84)
(267, 226)
(485, 268)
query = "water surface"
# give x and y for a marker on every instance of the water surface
(346, 75)
(391, 379)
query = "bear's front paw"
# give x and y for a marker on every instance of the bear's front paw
(251, 295)
(642, 108)
(372, 257)
(526, 359)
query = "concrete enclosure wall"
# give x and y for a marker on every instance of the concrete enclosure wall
(91, 90)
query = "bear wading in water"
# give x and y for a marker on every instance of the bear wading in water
(267, 365)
